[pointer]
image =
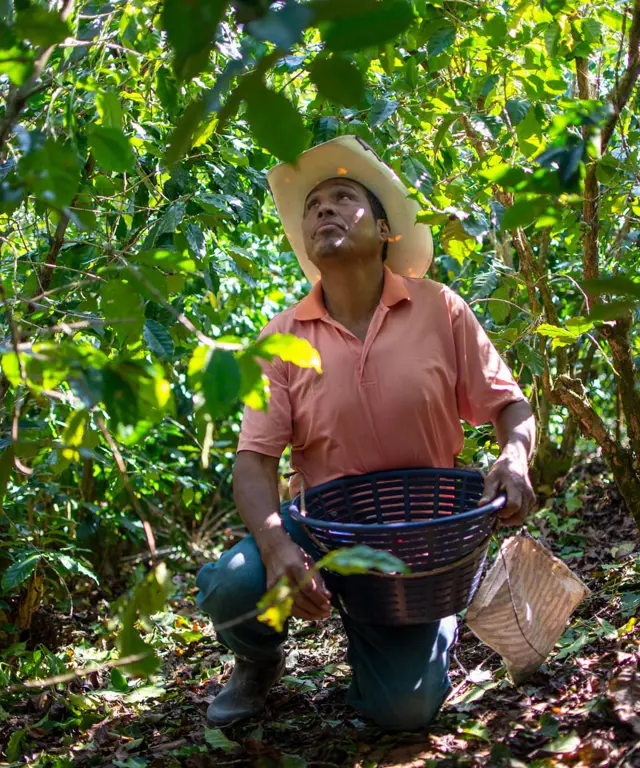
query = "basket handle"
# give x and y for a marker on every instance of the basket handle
(500, 502)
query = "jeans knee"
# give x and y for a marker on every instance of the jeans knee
(233, 585)
(404, 704)
(408, 712)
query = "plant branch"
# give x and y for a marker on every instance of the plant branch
(20, 96)
(619, 96)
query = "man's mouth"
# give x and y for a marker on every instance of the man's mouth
(326, 226)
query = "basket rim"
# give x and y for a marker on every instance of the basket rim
(491, 507)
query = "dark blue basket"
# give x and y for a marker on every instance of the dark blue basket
(429, 518)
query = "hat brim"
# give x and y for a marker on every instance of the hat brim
(410, 244)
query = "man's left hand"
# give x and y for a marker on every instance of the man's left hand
(510, 476)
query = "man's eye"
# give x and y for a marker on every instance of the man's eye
(345, 194)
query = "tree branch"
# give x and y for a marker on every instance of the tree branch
(46, 273)
(20, 96)
(619, 96)
(618, 336)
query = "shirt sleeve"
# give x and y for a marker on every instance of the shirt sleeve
(485, 385)
(269, 432)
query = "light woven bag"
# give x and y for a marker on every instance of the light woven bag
(524, 603)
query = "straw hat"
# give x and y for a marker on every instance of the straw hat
(410, 244)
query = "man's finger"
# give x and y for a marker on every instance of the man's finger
(303, 605)
(319, 597)
(491, 488)
(514, 501)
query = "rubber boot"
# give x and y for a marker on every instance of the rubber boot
(246, 691)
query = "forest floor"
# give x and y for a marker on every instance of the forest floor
(582, 708)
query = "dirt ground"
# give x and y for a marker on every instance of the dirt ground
(581, 708)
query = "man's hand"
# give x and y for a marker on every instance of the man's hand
(313, 600)
(510, 476)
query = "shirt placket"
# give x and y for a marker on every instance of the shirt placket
(374, 329)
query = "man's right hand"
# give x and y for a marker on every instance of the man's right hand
(312, 601)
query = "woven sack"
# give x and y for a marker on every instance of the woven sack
(524, 603)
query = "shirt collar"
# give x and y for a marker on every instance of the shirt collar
(312, 306)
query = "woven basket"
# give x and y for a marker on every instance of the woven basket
(429, 518)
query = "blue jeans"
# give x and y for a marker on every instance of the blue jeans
(400, 674)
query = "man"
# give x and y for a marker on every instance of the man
(403, 360)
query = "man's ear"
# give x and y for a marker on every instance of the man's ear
(384, 229)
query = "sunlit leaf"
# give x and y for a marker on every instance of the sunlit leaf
(289, 348)
(275, 607)
(361, 559)
(20, 571)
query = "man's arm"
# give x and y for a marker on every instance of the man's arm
(255, 485)
(516, 429)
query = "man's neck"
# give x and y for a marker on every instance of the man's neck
(351, 296)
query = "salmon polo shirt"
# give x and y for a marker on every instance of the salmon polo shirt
(392, 402)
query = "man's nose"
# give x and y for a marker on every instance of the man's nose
(326, 208)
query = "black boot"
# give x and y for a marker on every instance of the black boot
(246, 691)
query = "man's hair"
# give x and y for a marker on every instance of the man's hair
(378, 213)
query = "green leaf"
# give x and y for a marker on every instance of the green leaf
(119, 681)
(254, 385)
(578, 325)
(337, 79)
(111, 149)
(275, 123)
(517, 110)
(456, 242)
(14, 744)
(552, 38)
(275, 607)
(294, 761)
(561, 336)
(417, 175)
(122, 308)
(474, 729)
(52, 173)
(120, 401)
(167, 90)
(361, 559)
(19, 571)
(379, 23)
(613, 310)
(289, 348)
(381, 110)
(195, 240)
(71, 565)
(109, 109)
(73, 433)
(523, 212)
(41, 26)
(442, 39)
(592, 30)
(191, 29)
(616, 286)
(157, 339)
(16, 64)
(220, 383)
(564, 744)
(217, 740)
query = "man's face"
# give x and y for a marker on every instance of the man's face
(338, 221)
